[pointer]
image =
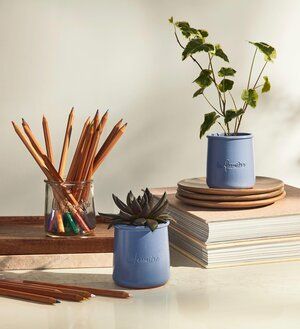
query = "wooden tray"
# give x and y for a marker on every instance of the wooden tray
(218, 197)
(230, 204)
(26, 236)
(262, 185)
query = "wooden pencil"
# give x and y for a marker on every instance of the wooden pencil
(35, 143)
(41, 290)
(79, 292)
(108, 139)
(66, 143)
(106, 151)
(60, 223)
(28, 296)
(47, 138)
(95, 291)
(72, 169)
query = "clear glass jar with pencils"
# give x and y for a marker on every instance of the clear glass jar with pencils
(69, 208)
(69, 201)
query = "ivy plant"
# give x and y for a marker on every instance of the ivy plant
(227, 114)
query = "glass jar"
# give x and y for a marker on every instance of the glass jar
(69, 208)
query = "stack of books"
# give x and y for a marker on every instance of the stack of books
(218, 238)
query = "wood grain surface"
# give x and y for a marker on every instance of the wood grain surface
(26, 236)
(262, 185)
(230, 204)
(220, 197)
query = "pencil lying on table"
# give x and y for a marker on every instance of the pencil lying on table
(95, 291)
(28, 296)
(41, 290)
(80, 290)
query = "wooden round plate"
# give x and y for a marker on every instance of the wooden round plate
(230, 204)
(262, 185)
(217, 197)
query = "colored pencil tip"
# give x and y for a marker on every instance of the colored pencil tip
(57, 301)
(23, 121)
(119, 123)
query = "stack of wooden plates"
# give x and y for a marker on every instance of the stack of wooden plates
(266, 191)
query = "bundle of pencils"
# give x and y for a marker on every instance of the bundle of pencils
(69, 207)
(51, 293)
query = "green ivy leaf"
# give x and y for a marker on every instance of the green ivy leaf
(204, 33)
(226, 71)
(266, 86)
(189, 31)
(220, 53)
(204, 79)
(184, 27)
(198, 92)
(171, 20)
(267, 50)
(194, 46)
(231, 114)
(225, 85)
(209, 120)
(250, 97)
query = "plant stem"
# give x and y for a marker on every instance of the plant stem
(180, 44)
(222, 128)
(233, 101)
(212, 105)
(254, 86)
(256, 82)
(251, 68)
(221, 101)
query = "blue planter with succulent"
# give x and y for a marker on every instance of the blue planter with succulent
(141, 244)
(230, 161)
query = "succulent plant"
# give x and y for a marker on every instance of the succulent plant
(141, 211)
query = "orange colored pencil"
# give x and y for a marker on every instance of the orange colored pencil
(65, 148)
(72, 169)
(40, 290)
(95, 291)
(47, 138)
(106, 151)
(28, 296)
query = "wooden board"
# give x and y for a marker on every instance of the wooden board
(26, 236)
(217, 197)
(230, 204)
(262, 185)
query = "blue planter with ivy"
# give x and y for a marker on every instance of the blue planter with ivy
(230, 161)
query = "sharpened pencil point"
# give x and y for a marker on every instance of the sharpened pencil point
(57, 301)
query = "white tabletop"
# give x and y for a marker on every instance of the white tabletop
(261, 296)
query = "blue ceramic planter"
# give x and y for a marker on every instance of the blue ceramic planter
(141, 257)
(230, 162)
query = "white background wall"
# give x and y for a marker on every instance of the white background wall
(122, 55)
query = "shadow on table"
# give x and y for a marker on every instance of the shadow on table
(179, 260)
(97, 280)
